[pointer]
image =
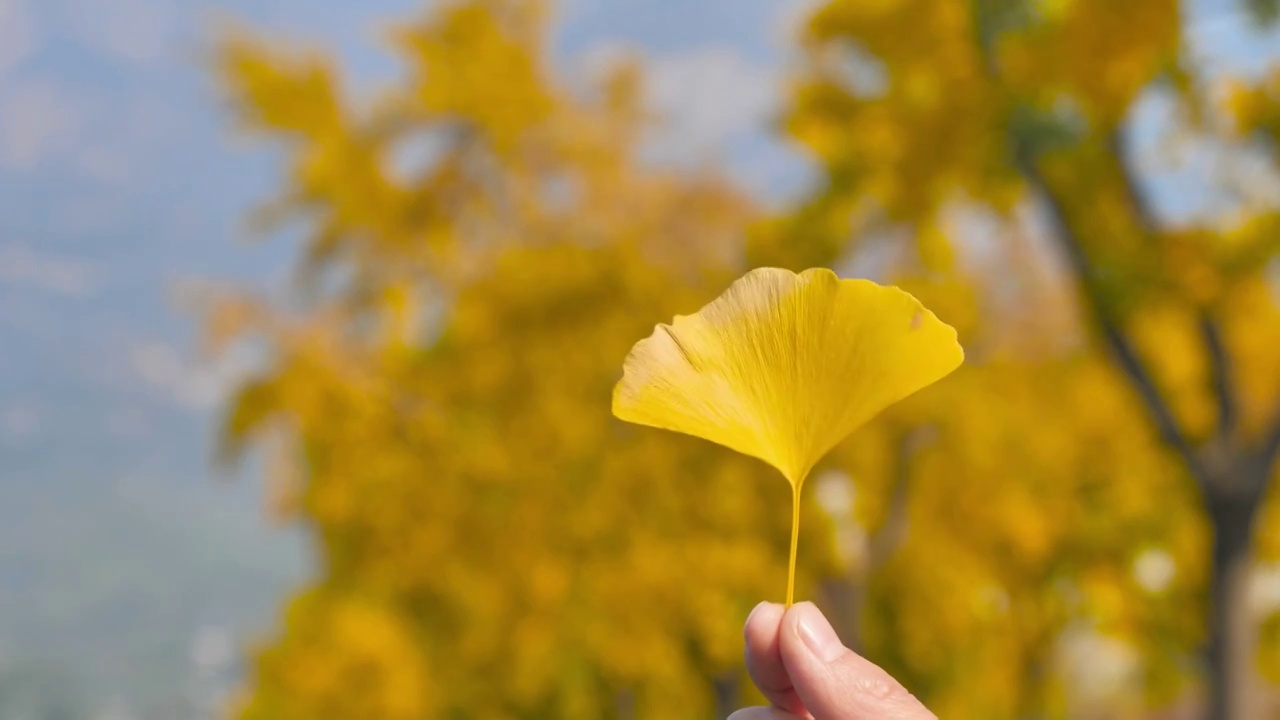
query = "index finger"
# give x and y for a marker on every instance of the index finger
(764, 658)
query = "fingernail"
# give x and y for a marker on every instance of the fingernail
(816, 632)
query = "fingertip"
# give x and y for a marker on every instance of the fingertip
(807, 622)
(832, 680)
(765, 616)
(764, 658)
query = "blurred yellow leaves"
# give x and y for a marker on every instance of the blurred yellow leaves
(480, 245)
(333, 642)
(481, 65)
(1094, 54)
(1026, 110)
(899, 100)
(470, 276)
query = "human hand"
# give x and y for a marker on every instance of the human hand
(797, 661)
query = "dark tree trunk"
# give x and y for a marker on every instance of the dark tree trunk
(625, 705)
(727, 692)
(843, 598)
(1228, 649)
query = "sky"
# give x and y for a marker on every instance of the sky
(121, 182)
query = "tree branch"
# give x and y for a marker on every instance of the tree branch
(1269, 452)
(1116, 341)
(893, 529)
(1121, 349)
(1210, 331)
(1220, 372)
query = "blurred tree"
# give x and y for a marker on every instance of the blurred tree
(953, 123)
(481, 248)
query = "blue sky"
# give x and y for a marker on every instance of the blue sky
(120, 181)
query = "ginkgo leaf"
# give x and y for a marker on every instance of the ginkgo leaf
(783, 367)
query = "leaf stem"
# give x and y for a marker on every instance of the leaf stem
(795, 540)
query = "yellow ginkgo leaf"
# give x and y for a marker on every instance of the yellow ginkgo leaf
(783, 367)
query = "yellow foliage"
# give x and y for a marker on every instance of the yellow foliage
(335, 644)
(482, 247)
(928, 131)
(1096, 54)
(1017, 109)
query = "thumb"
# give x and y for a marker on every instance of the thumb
(834, 682)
